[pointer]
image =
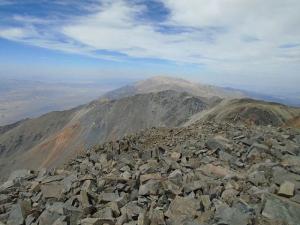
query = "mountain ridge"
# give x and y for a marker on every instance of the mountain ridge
(160, 83)
(50, 140)
(61, 134)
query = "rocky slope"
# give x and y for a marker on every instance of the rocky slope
(55, 137)
(205, 173)
(52, 139)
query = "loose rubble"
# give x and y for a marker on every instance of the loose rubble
(201, 174)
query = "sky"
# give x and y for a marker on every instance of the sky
(247, 44)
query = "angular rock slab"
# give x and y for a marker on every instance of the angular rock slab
(287, 189)
(183, 207)
(52, 190)
(16, 216)
(281, 209)
(232, 216)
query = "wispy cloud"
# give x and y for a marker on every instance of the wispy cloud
(228, 35)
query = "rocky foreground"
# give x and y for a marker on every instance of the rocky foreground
(202, 174)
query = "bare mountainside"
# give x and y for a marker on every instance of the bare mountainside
(250, 111)
(55, 137)
(160, 83)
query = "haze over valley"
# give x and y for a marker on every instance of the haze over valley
(22, 99)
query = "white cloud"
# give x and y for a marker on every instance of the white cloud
(272, 23)
(13, 33)
(228, 36)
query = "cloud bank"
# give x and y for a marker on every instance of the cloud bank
(229, 36)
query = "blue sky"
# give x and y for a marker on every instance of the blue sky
(250, 44)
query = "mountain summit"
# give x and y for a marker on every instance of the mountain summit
(152, 153)
(54, 138)
(161, 83)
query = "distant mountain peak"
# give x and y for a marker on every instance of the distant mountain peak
(161, 83)
(161, 78)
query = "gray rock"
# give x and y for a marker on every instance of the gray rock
(105, 216)
(110, 197)
(68, 181)
(132, 210)
(48, 217)
(287, 189)
(157, 217)
(205, 200)
(226, 156)
(231, 216)
(293, 162)
(175, 156)
(61, 221)
(143, 219)
(194, 185)
(51, 179)
(296, 198)
(17, 215)
(73, 211)
(229, 195)
(280, 209)
(30, 219)
(151, 187)
(6, 186)
(151, 176)
(173, 188)
(183, 207)
(4, 199)
(218, 142)
(257, 178)
(176, 177)
(52, 190)
(281, 175)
